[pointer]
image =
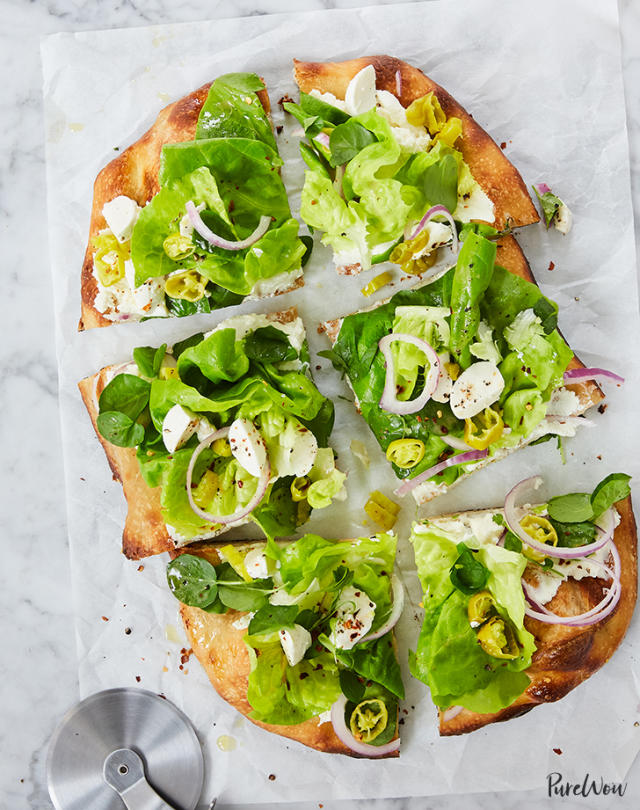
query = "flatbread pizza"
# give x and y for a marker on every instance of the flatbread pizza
(522, 603)
(193, 216)
(388, 147)
(298, 637)
(220, 429)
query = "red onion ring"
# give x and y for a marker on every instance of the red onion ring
(218, 241)
(389, 401)
(263, 483)
(560, 552)
(434, 211)
(345, 736)
(461, 458)
(398, 84)
(542, 188)
(451, 712)
(578, 375)
(322, 139)
(396, 610)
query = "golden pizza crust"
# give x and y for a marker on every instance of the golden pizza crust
(511, 257)
(134, 173)
(566, 656)
(220, 648)
(495, 174)
(145, 532)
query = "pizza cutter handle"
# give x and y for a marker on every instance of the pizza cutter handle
(123, 771)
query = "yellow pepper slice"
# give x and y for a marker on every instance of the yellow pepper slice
(178, 247)
(540, 529)
(486, 429)
(189, 285)
(480, 608)
(450, 132)
(368, 720)
(236, 561)
(406, 254)
(299, 488)
(377, 283)
(221, 447)
(382, 511)
(109, 258)
(405, 453)
(453, 370)
(206, 489)
(497, 638)
(427, 112)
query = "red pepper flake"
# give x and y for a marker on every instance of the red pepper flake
(279, 129)
(127, 631)
(141, 568)
(557, 751)
(284, 98)
(503, 145)
(272, 777)
(104, 619)
(314, 202)
(551, 265)
(138, 678)
(602, 408)
(599, 458)
(232, 205)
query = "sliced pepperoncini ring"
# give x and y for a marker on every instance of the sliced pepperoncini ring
(382, 510)
(497, 638)
(540, 529)
(206, 489)
(405, 453)
(483, 429)
(189, 285)
(300, 488)
(408, 254)
(221, 447)
(109, 258)
(481, 607)
(377, 283)
(427, 112)
(368, 720)
(178, 247)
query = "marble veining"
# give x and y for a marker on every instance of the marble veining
(38, 671)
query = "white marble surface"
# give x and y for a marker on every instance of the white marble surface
(38, 666)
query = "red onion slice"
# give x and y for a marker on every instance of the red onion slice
(263, 483)
(578, 375)
(561, 552)
(345, 736)
(218, 241)
(389, 401)
(437, 211)
(461, 458)
(398, 84)
(451, 712)
(542, 188)
(396, 610)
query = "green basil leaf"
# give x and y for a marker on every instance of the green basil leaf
(440, 182)
(119, 429)
(613, 488)
(148, 359)
(347, 140)
(337, 361)
(352, 687)
(272, 617)
(512, 542)
(249, 596)
(549, 204)
(547, 311)
(192, 580)
(180, 307)
(328, 113)
(269, 345)
(573, 508)
(312, 124)
(187, 343)
(307, 241)
(572, 535)
(125, 393)
(468, 574)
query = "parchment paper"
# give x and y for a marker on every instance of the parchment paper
(544, 79)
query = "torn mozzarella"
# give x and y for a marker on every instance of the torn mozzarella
(475, 389)
(247, 446)
(354, 617)
(563, 219)
(121, 215)
(295, 642)
(361, 92)
(178, 427)
(256, 564)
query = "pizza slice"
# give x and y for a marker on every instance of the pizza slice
(464, 369)
(396, 165)
(522, 603)
(193, 216)
(221, 429)
(298, 637)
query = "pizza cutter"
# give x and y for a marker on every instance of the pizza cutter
(125, 749)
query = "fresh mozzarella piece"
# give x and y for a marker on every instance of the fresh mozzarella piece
(149, 298)
(412, 138)
(204, 429)
(354, 617)
(475, 389)
(329, 98)
(445, 383)
(273, 285)
(295, 642)
(297, 450)
(121, 215)
(563, 219)
(361, 92)
(474, 528)
(247, 446)
(130, 274)
(178, 427)
(116, 301)
(563, 402)
(256, 563)
(474, 206)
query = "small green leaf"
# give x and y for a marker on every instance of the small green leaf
(187, 343)
(192, 580)
(307, 241)
(573, 508)
(244, 597)
(440, 182)
(572, 535)
(328, 113)
(549, 204)
(352, 687)
(512, 542)
(269, 345)
(148, 359)
(347, 140)
(336, 360)
(272, 617)
(548, 314)
(613, 488)
(119, 429)
(468, 574)
(125, 393)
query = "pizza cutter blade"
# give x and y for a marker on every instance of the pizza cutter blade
(125, 749)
